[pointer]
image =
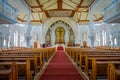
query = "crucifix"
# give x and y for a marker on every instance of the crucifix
(60, 33)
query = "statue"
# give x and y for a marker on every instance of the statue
(84, 44)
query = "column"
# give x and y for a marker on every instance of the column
(29, 28)
(91, 28)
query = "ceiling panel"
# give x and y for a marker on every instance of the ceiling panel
(87, 2)
(36, 9)
(64, 6)
(59, 13)
(43, 1)
(68, 2)
(36, 16)
(49, 4)
(32, 2)
(75, 1)
(54, 6)
(42, 9)
(83, 16)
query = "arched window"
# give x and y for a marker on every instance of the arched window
(110, 42)
(98, 38)
(115, 41)
(15, 38)
(103, 38)
(4, 42)
(22, 40)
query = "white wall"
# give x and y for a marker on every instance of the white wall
(36, 34)
(83, 33)
(109, 29)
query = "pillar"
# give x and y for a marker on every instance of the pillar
(91, 28)
(29, 28)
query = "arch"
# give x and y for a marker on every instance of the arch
(68, 21)
(54, 26)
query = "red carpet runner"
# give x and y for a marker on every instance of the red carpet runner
(60, 68)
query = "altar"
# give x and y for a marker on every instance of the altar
(59, 42)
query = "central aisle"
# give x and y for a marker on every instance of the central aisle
(60, 68)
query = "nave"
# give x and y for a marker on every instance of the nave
(32, 30)
(60, 68)
(60, 63)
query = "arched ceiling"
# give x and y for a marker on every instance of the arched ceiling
(43, 9)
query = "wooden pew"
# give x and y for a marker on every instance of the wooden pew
(100, 68)
(32, 54)
(23, 68)
(92, 53)
(9, 73)
(112, 72)
(88, 59)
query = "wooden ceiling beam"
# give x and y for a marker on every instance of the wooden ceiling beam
(72, 14)
(83, 20)
(59, 4)
(34, 6)
(91, 2)
(101, 18)
(39, 4)
(79, 5)
(36, 21)
(81, 11)
(46, 12)
(60, 10)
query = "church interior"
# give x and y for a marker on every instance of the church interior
(59, 40)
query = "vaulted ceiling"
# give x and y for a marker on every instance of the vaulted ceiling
(43, 9)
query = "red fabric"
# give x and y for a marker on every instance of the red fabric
(60, 68)
(60, 48)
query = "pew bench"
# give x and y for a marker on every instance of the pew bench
(8, 71)
(99, 68)
(23, 68)
(113, 73)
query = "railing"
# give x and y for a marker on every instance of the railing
(8, 14)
